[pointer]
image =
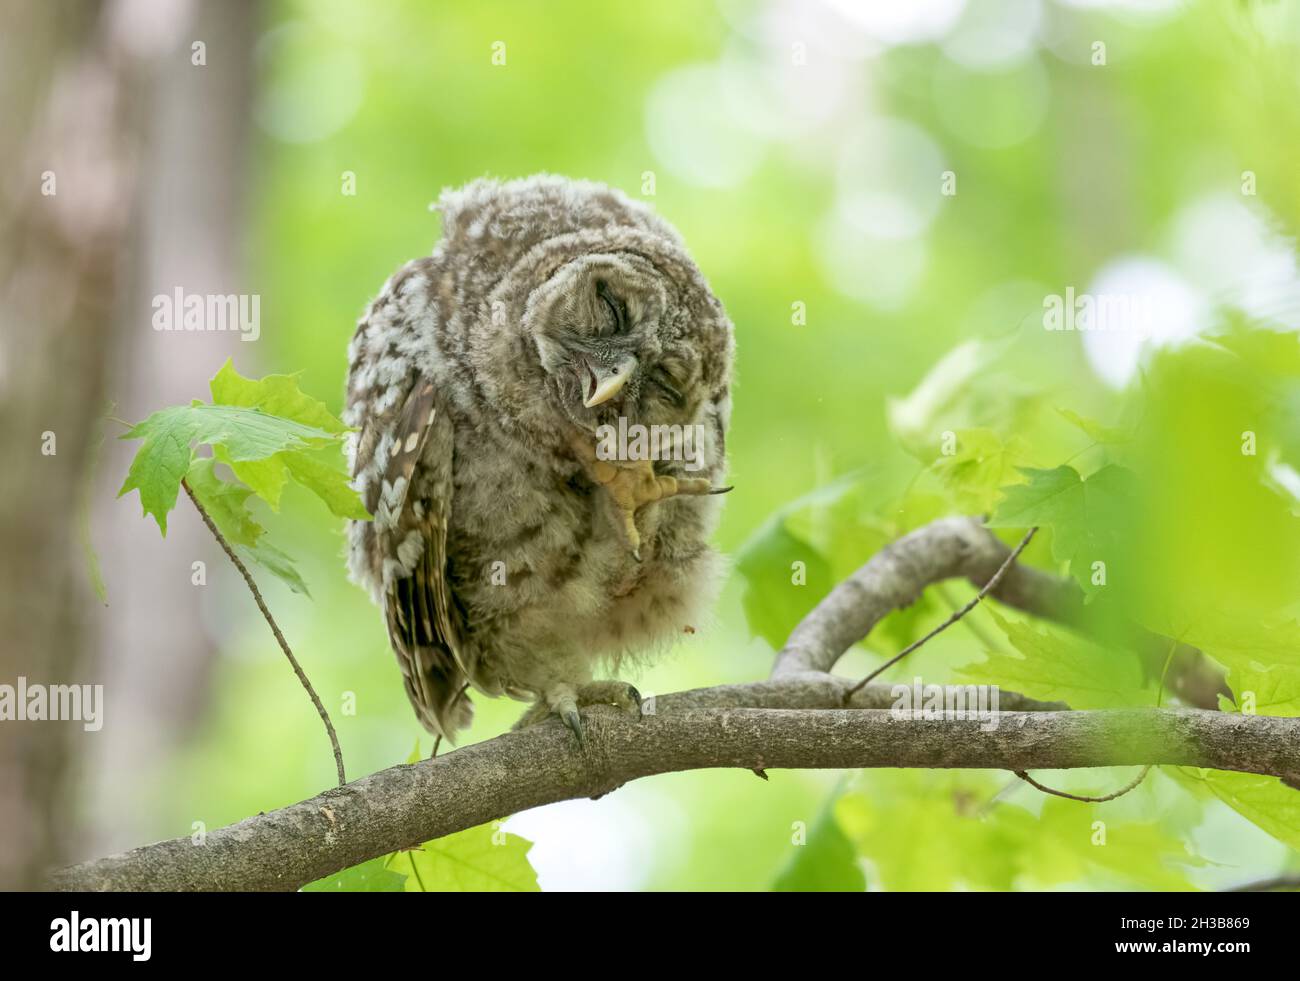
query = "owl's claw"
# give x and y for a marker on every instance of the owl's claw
(632, 488)
(573, 720)
(640, 702)
(564, 701)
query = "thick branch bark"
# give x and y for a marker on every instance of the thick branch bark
(408, 804)
(945, 549)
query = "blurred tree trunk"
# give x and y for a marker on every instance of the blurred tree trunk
(157, 642)
(65, 206)
(123, 173)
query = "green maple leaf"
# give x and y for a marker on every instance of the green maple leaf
(1235, 640)
(981, 469)
(774, 598)
(1089, 519)
(1058, 666)
(481, 859)
(1271, 690)
(1262, 657)
(226, 503)
(277, 395)
(372, 876)
(964, 390)
(831, 531)
(170, 435)
(1265, 801)
(266, 430)
(280, 395)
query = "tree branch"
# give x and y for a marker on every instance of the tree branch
(945, 549)
(794, 720)
(407, 804)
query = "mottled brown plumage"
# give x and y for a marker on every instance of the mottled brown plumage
(508, 553)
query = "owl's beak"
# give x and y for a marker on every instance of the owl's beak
(604, 383)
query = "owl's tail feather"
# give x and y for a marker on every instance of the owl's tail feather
(433, 680)
(450, 712)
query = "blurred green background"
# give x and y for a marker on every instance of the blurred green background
(801, 149)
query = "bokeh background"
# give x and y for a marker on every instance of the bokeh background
(801, 148)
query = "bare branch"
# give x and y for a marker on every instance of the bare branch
(542, 764)
(897, 575)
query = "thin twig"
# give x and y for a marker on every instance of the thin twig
(275, 629)
(988, 588)
(970, 623)
(1087, 800)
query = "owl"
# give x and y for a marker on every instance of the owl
(540, 411)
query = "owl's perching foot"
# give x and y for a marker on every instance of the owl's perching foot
(564, 700)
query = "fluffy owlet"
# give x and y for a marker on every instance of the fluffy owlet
(541, 407)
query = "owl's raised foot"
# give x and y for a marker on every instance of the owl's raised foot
(564, 701)
(636, 486)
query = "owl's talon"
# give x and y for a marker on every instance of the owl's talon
(564, 699)
(722, 490)
(633, 486)
(573, 720)
(639, 703)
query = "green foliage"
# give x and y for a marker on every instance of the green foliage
(966, 389)
(227, 506)
(983, 465)
(1069, 839)
(795, 558)
(1265, 801)
(1055, 665)
(1090, 520)
(944, 830)
(1094, 429)
(371, 876)
(826, 862)
(169, 436)
(1272, 690)
(482, 859)
(772, 563)
(265, 431)
(279, 396)
(1104, 507)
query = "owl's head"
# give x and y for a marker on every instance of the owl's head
(628, 333)
(597, 310)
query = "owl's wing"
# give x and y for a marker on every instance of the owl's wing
(411, 517)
